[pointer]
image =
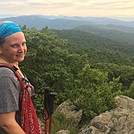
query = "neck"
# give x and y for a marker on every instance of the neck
(10, 63)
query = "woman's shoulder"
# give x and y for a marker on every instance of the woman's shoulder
(5, 71)
(8, 76)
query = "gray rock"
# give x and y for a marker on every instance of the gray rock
(117, 121)
(63, 132)
(70, 111)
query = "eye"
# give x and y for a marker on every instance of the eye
(14, 45)
(24, 44)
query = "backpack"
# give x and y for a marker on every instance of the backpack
(28, 116)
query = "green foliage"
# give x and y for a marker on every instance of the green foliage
(60, 122)
(94, 93)
(126, 73)
(130, 91)
(98, 49)
(87, 69)
(45, 64)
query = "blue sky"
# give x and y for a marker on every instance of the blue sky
(95, 8)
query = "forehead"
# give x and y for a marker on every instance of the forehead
(16, 37)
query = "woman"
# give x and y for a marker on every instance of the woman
(12, 51)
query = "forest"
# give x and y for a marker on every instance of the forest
(79, 66)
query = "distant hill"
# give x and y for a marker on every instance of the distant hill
(114, 29)
(98, 49)
(65, 22)
(117, 33)
(89, 40)
(40, 22)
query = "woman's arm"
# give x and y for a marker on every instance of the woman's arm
(9, 124)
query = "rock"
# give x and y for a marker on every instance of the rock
(117, 121)
(125, 102)
(70, 111)
(63, 132)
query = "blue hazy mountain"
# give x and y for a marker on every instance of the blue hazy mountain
(110, 28)
(69, 22)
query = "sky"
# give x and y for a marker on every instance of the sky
(95, 8)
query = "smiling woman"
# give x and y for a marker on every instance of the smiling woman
(12, 92)
(14, 49)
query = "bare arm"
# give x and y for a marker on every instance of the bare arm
(9, 124)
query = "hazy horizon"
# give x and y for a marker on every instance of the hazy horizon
(82, 8)
(122, 18)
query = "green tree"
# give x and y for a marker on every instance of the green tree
(94, 93)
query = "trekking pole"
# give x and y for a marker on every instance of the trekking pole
(49, 102)
(50, 124)
(46, 121)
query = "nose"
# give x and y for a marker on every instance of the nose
(21, 48)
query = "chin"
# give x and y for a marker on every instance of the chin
(20, 60)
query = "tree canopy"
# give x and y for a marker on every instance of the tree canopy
(80, 68)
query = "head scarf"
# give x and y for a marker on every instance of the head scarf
(8, 28)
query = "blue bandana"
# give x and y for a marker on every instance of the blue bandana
(7, 28)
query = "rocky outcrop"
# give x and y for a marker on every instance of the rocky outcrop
(63, 132)
(70, 111)
(117, 121)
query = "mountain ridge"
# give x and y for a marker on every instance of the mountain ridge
(105, 27)
(66, 22)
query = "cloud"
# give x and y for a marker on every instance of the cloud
(67, 7)
(5, 4)
(107, 6)
(50, 4)
(113, 5)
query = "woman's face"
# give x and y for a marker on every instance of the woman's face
(14, 48)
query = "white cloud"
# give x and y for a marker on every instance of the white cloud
(11, 3)
(68, 7)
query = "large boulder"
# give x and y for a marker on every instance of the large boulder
(117, 121)
(70, 111)
(63, 132)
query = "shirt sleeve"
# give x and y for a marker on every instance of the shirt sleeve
(9, 93)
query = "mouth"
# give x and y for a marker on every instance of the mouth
(20, 55)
